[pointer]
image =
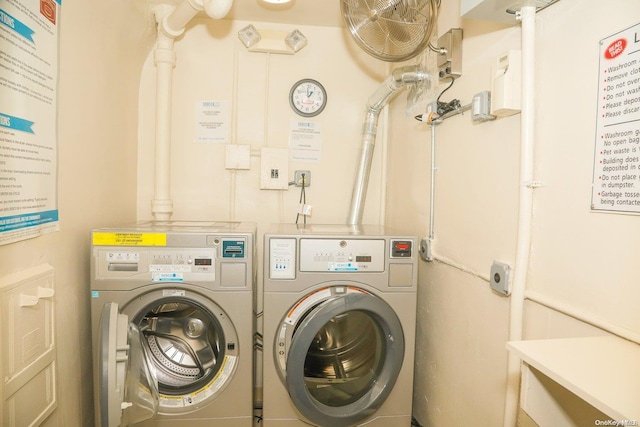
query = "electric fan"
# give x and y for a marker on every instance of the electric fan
(391, 30)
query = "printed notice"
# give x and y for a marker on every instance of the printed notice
(616, 170)
(212, 121)
(28, 97)
(305, 141)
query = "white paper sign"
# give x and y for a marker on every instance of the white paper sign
(305, 141)
(212, 121)
(28, 97)
(616, 169)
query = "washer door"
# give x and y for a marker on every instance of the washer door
(191, 343)
(128, 388)
(345, 354)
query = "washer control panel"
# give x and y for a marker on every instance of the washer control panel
(158, 265)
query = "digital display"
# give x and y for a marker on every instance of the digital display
(202, 261)
(363, 258)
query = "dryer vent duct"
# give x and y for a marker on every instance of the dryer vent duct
(394, 31)
(400, 79)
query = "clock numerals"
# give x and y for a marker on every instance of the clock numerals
(308, 98)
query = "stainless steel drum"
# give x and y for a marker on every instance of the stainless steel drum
(345, 353)
(185, 343)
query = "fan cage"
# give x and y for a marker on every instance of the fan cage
(391, 30)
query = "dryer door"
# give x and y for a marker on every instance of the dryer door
(128, 388)
(344, 358)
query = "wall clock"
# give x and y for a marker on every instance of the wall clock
(308, 97)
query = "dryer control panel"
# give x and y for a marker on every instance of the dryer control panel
(342, 255)
(282, 258)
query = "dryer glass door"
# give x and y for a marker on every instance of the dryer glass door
(344, 358)
(128, 388)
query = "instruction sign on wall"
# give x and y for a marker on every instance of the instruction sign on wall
(616, 170)
(28, 100)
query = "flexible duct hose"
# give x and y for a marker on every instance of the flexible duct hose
(399, 79)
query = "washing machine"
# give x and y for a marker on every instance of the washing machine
(173, 324)
(339, 326)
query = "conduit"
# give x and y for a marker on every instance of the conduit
(589, 319)
(170, 26)
(399, 79)
(525, 208)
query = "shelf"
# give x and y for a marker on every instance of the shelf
(603, 371)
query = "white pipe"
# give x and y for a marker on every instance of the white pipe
(170, 26)
(525, 219)
(217, 9)
(571, 311)
(165, 59)
(432, 197)
(184, 12)
(396, 82)
(451, 263)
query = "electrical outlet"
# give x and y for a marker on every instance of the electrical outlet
(297, 178)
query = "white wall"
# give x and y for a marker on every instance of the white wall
(212, 64)
(99, 67)
(579, 258)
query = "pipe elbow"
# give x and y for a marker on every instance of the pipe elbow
(166, 30)
(411, 74)
(217, 9)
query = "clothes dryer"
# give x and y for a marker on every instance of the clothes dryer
(339, 326)
(172, 312)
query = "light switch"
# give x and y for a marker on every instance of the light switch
(274, 169)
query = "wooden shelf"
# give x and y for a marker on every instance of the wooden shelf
(603, 371)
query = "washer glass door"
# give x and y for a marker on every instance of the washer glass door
(128, 388)
(344, 357)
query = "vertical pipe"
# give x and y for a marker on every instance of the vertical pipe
(433, 183)
(364, 168)
(384, 167)
(527, 16)
(170, 26)
(391, 87)
(165, 59)
(233, 187)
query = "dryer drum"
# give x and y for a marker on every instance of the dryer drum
(185, 343)
(344, 358)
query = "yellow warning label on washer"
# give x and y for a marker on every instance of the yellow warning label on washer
(129, 239)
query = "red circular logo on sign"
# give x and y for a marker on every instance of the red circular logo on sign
(615, 48)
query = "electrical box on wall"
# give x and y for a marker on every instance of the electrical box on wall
(450, 62)
(237, 156)
(506, 86)
(274, 169)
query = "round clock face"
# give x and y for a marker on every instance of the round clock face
(308, 98)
